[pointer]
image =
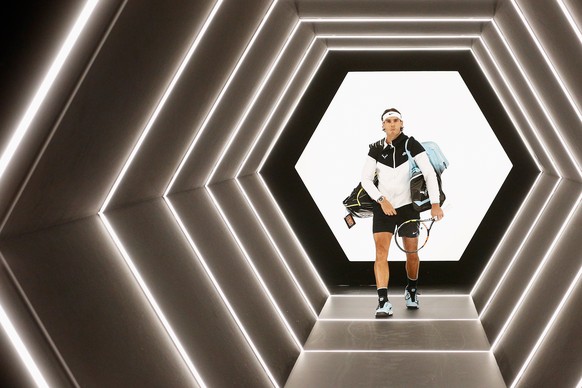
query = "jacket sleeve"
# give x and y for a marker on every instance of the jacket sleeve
(368, 173)
(423, 162)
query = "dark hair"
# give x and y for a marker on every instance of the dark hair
(392, 110)
(389, 110)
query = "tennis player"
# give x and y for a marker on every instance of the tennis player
(388, 160)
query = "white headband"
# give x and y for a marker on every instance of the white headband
(391, 114)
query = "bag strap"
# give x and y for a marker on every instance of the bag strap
(413, 167)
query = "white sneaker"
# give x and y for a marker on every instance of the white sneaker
(384, 311)
(411, 298)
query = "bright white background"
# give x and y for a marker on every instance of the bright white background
(435, 106)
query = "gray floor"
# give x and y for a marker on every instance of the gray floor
(440, 345)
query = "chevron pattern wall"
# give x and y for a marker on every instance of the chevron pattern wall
(154, 232)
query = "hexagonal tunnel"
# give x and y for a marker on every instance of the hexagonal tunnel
(155, 231)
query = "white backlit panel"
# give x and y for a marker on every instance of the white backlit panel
(436, 106)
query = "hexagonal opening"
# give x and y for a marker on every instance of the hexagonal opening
(436, 106)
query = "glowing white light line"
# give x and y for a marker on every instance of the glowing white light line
(548, 61)
(423, 295)
(284, 220)
(275, 106)
(253, 101)
(376, 48)
(518, 214)
(46, 84)
(579, 385)
(392, 20)
(521, 108)
(547, 329)
(538, 99)
(568, 15)
(219, 98)
(392, 351)
(21, 349)
(160, 314)
(162, 103)
(294, 105)
(398, 320)
(388, 37)
(254, 269)
(220, 292)
(279, 253)
(535, 276)
(524, 241)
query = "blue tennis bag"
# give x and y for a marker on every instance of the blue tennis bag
(418, 190)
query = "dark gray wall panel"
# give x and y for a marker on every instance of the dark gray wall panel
(527, 99)
(109, 111)
(550, 287)
(93, 309)
(191, 101)
(515, 236)
(282, 235)
(269, 264)
(333, 43)
(186, 295)
(552, 29)
(512, 104)
(530, 257)
(265, 103)
(30, 331)
(291, 95)
(241, 287)
(29, 50)
(245, 83)
(411, 28)
(400, 8)
(543, 80)
(558, 360)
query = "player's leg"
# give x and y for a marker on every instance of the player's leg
(412, 267)
(382, 273)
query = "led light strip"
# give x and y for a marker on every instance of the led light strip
(423, 295)
(548, 61)
(253, 101)
(536, 274)
(503, 240)
(389, 37)
(219, 98)
(393, 351)
(547, 329)
(520, 106)
(391, 20)
(162, 103)
(524, 241)
(568, 15)
(374, 48)
(382, 321)
(538, 99)
(279, 253)
(284, 220)
(46, 84)
(220, 292)
(21, 349)
(254, 269)
(158, 311)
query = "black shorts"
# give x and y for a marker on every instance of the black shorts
(384, 223)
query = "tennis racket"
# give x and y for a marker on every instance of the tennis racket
(414, 228)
